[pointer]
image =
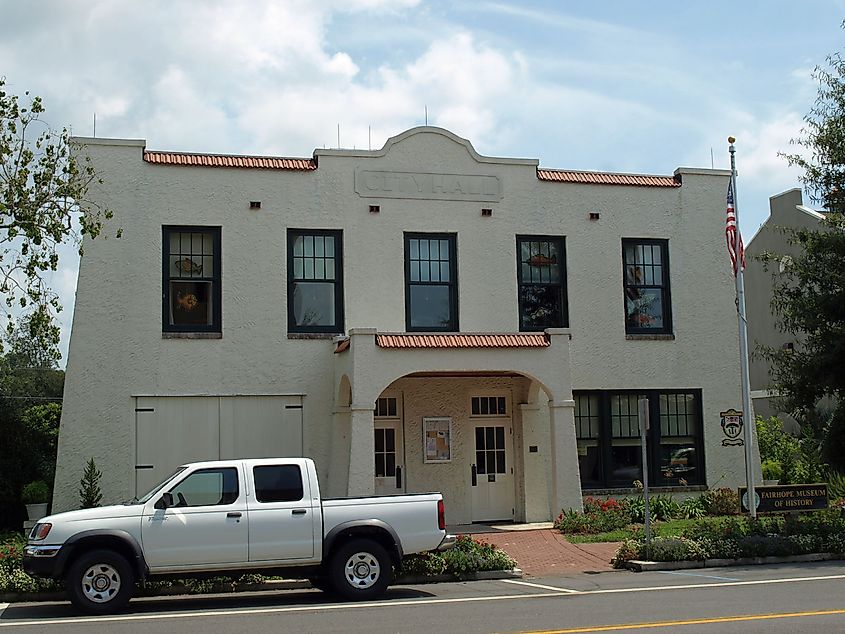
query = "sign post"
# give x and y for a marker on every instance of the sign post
(643, 412)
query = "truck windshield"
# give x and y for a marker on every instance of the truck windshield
(159, 487)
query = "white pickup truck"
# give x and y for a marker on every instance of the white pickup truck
(231, 517)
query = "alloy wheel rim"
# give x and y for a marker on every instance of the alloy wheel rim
(100, 583)
(362, 570)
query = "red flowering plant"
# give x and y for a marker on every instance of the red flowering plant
(600, 515)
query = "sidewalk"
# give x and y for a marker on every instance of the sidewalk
(541, 551)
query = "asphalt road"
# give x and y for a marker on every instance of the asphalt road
(787, 598)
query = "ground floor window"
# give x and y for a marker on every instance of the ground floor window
(607, 427)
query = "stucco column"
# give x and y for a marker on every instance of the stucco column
(362, 461)
(566, 481)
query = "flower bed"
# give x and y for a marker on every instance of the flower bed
(467, 556)
(742, 537)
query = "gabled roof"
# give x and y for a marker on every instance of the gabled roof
(607, 178)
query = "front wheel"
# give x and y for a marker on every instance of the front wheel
(361, 569)
(100, 582)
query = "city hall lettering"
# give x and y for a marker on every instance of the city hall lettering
(378, 184)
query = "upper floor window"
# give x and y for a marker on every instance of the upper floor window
(315, 281)
(541, 271)
(431, 286)
(191, 280)
(646, 275)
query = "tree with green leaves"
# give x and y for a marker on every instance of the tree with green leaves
(30, 395)
(89, 486)
(43, 203)
(809, 289)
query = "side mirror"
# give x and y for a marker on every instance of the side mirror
(166, 501)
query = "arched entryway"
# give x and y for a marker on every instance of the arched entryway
(490, 426)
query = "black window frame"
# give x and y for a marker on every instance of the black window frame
(216, 325)
(664, 286)
(338, 326)
(453, 325)
(268, 495)
(561, 284)
(653, 437)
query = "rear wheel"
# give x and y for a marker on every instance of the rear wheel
(360, 569)
(100, 582)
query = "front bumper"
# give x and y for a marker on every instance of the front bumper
(41, 561)
(447, 543)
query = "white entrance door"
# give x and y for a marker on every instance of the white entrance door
(492, 472)
(390, 471)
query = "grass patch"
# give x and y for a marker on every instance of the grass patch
(669, 528)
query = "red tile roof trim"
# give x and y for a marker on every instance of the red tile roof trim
(341, 346)
(223, 160)
(519, 340)
(606, 178)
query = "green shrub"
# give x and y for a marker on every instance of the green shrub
(772, 470)
(693, 508)
(89, 486)
(467, 556)
(722, 501)
(835, 485)
(36, 492)
(635, 506)
(12, 576)
(664, 507)
(675, 549)
(599, 516)
(628, 550)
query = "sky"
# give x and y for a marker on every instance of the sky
(637, 87)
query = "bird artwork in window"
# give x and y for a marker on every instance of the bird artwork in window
(540, 259)
(187, 265)
(186, 301)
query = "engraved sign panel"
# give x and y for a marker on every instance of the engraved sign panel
(428, 186)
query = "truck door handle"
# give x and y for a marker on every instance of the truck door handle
(233, 514)
(474, 476)
(398, 477)
(298, 512)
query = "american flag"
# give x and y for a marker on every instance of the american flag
(731, 229)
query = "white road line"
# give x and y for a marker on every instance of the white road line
(694, 574)
(402, 603)
(541, 586)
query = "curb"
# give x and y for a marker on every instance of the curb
(647, 566)
(265, 586)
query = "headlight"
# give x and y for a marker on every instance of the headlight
(40, 531)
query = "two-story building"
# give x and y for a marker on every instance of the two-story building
(415, 318)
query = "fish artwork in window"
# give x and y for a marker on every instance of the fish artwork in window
(186, 301)
(187, 265)
(542, 260)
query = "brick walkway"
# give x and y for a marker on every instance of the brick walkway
(545, 552)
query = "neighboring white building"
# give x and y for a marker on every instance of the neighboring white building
(787, 211)
(414, 318)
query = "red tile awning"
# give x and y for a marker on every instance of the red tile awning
(225, 160)
(509, 340)
(607, 178)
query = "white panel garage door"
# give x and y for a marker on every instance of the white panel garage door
(172, 430)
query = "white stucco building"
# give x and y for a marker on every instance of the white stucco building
(414, 318)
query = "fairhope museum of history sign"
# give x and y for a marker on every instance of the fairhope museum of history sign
(786, 498)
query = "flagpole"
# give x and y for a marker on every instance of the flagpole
(743, 344)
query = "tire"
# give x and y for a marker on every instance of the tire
(360, 569)
(100, 582)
